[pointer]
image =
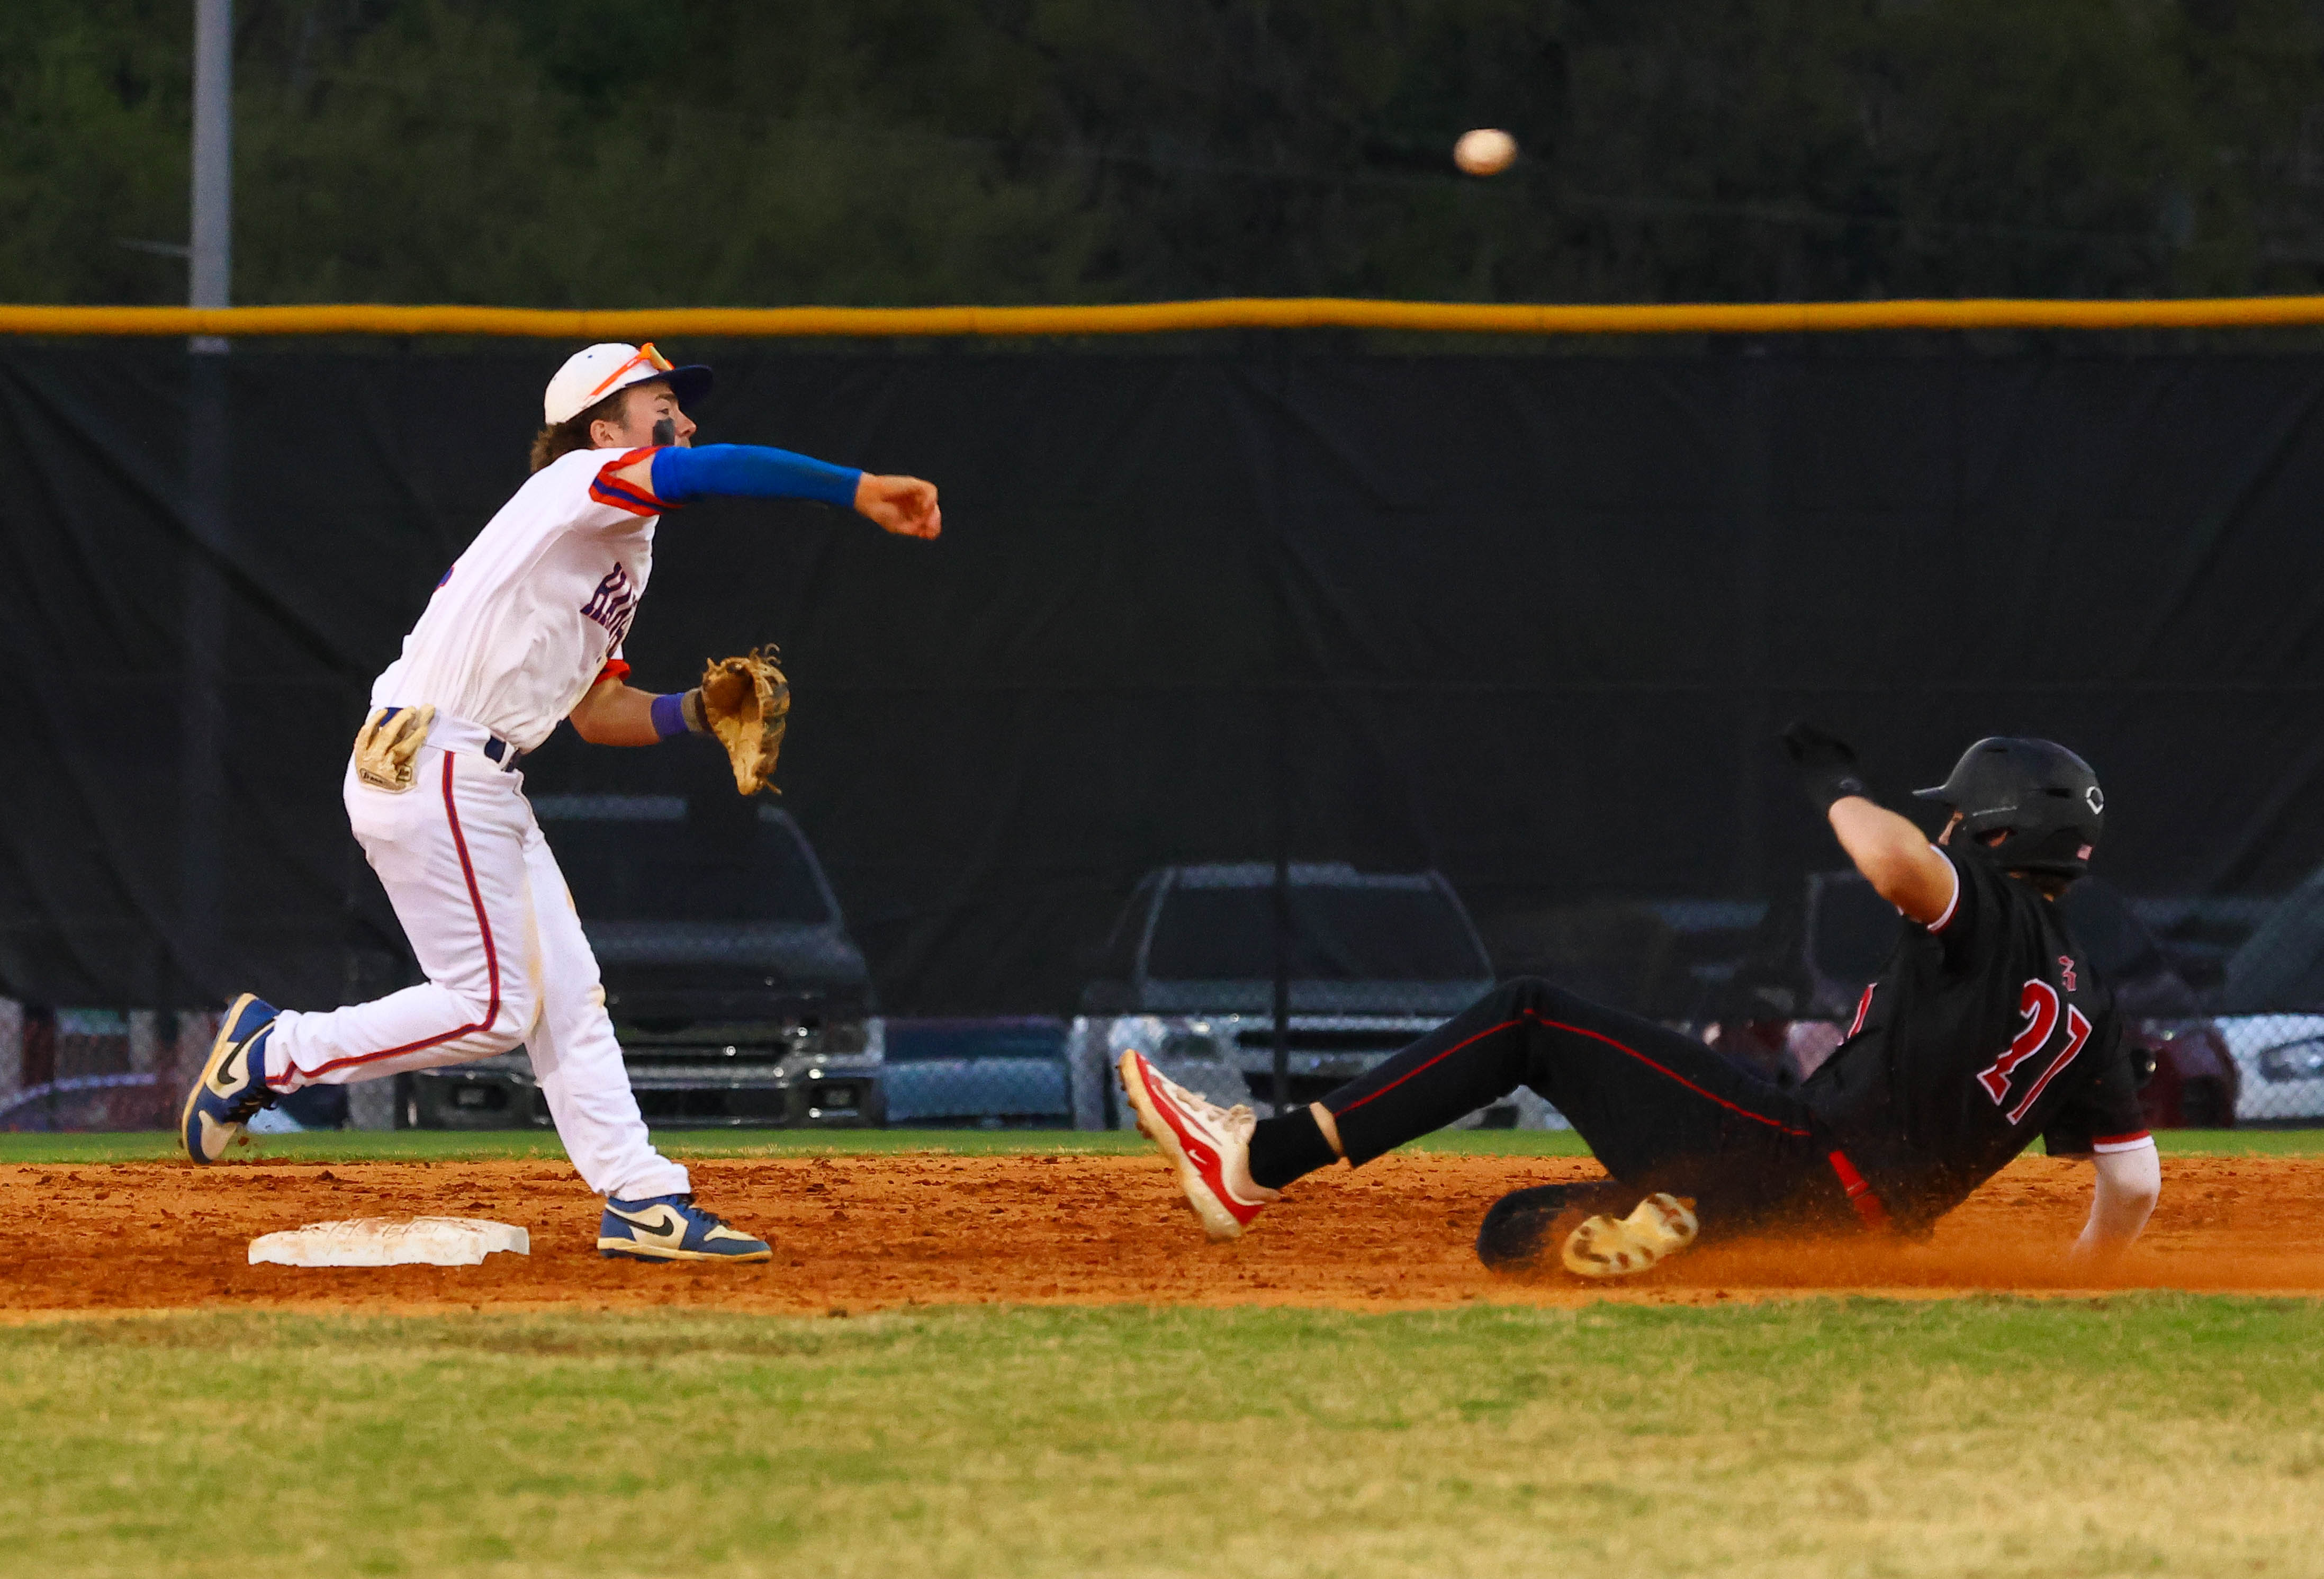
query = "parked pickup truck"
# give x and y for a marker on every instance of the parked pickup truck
(1187, 978)
(738, 996)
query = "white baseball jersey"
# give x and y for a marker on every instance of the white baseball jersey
(514, 635)
(527, 619)
(518, 629)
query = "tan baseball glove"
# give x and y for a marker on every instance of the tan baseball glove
(386, 744)
(746, 703)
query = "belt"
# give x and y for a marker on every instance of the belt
(449, 734)
(1867, 1206)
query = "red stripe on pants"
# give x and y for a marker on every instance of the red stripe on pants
(1594, 1035)
(484, 927)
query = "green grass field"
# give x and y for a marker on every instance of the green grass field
(2162, 1435)
(2165, 1434)
(454, 1146)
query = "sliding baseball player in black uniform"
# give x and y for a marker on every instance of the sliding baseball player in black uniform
(1986, 1029)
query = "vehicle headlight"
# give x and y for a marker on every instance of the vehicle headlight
(2300, 1061)
(1156, 1037)
(1189, 1045)
(1135, 1033)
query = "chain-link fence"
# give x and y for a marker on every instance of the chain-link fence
(988, 1074)
(94, 1068)
(2223, 997)
(1309, 691)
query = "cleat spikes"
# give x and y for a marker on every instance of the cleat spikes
(1657, 1227)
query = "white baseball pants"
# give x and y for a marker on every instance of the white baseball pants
(493, 923)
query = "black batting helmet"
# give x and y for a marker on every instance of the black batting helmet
(2043, 799)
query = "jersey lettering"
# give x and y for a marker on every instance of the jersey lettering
(2077, 1031)
(2038, 1002)
(613, 604)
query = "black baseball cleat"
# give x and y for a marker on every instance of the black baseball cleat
(1603, 1224)
(1525, 1225)
(1518, 1224)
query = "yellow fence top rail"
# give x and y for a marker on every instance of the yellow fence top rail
(1169, 317)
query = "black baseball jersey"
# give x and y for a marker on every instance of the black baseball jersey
(1984, 1029)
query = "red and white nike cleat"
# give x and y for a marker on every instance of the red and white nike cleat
(1208, 1145)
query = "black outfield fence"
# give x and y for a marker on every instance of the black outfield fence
(1529, 622)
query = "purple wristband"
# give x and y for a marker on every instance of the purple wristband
(669, 715)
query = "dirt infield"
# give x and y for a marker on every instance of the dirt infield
(858, 1233)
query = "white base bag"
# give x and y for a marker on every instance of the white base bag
(390, 1242)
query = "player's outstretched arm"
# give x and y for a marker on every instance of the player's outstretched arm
(1894, 856)
(905, 507)
(2130, 1184)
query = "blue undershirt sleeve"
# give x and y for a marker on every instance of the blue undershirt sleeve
(750, 471)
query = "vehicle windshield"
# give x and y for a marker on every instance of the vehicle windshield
(661, 858)
(1339, 933)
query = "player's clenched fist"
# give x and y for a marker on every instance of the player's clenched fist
(1826, 764)
(905, 507)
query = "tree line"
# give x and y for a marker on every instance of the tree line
(626, 152)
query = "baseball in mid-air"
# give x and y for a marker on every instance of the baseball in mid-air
(1487, 151)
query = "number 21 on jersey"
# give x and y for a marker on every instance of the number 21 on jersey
(2038, 1002)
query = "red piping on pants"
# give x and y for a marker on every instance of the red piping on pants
(484, 925)
(1594, 1035)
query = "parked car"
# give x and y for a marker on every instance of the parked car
(1814, 957)
(2270, 1009)
(2281, 1059)
(1187, 979)
(991, 1074)
(738, 996)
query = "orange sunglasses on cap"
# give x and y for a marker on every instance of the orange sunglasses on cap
(647, 357)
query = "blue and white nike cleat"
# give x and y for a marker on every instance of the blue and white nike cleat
(233, 1086)
(672, 1228)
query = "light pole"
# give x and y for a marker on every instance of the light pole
(211, 278)
(202, 714)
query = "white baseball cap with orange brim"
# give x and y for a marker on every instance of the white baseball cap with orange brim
(589, 376)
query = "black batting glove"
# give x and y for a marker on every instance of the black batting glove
(1826, 764)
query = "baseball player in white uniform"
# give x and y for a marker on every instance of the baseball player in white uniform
(526, 629)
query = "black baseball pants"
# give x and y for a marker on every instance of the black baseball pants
(1659, 1109)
